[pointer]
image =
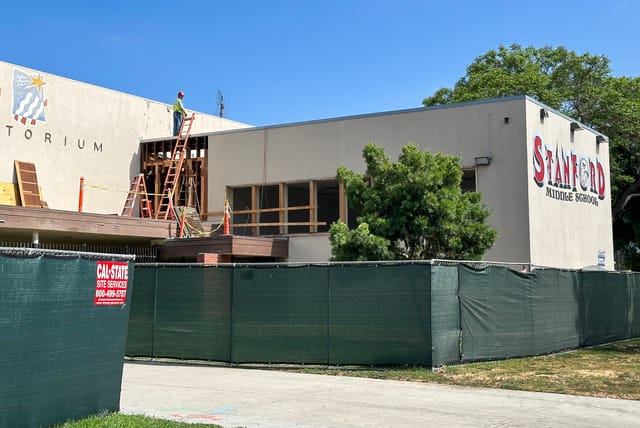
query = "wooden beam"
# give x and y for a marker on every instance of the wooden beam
(342, 203)
(265, 210)
(254, 207)
(156, 189)
(312, 202)
(204, 182)
(292, 223)
(282, 188)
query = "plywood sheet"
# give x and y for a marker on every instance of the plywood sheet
(28, 184)
(9, 194)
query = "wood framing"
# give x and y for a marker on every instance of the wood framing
(190, 185)
(255, 217)
(342, 201)
(282, 188)
(284, 223)
(313, 228)
(267, 210)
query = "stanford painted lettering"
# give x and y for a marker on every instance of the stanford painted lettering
(572, 176)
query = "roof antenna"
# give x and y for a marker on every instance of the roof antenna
(220, 103)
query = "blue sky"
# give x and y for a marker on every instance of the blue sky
(283, 61)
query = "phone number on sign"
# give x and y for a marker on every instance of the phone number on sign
(111, 293)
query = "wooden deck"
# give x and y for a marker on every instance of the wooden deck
(19, 223)
(239, 248)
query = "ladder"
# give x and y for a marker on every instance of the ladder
(137, 189)
(165, 209)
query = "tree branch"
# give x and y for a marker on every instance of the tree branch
(624, 198)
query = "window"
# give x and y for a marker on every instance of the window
(285, 208)
(240, 208)
(298, 196)
(268, 198)
(468, 180)
(328, 203)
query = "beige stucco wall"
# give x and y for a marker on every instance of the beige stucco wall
(314, 150)
(87, 131)
(570, 224)
(305, 248)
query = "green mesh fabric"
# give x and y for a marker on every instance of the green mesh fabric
(445, 315)
(496, 313)
(141, 314)
(280, 315)
(380, 314)
(554, 302)
(607, 307)
(375, 314)
(193, 312)
(61, 356)
(633, 281)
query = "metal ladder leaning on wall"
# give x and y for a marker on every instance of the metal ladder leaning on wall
(165, 209)
(137, 189)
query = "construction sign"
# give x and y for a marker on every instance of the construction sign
(112, 279)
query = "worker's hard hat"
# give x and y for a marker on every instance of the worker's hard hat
(181, 94)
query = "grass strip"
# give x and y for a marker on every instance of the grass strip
(611, 371)
(118, 420)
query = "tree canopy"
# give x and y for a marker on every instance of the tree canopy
(582, 87)
(412, 209)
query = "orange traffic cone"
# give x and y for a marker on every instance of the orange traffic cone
(225, 229)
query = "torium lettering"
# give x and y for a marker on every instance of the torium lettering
(49, 138)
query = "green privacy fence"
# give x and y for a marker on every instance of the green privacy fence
(374, 314)
(62, 335)
(508, 314)
(313, 314)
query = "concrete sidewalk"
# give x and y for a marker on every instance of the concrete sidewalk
(238, 397)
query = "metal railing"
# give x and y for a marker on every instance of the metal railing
(142, 254)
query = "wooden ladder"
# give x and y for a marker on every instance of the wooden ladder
(137, 189)
(165, 209)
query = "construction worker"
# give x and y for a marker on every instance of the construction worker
(178, 113)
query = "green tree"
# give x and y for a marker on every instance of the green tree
(580, 86)
(357, 244)
(562, 79)
(412, 209)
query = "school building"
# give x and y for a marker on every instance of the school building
(544, 176)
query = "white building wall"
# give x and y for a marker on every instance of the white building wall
(569, 215)
(83, 130)
(309, 248)
(314, 150)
